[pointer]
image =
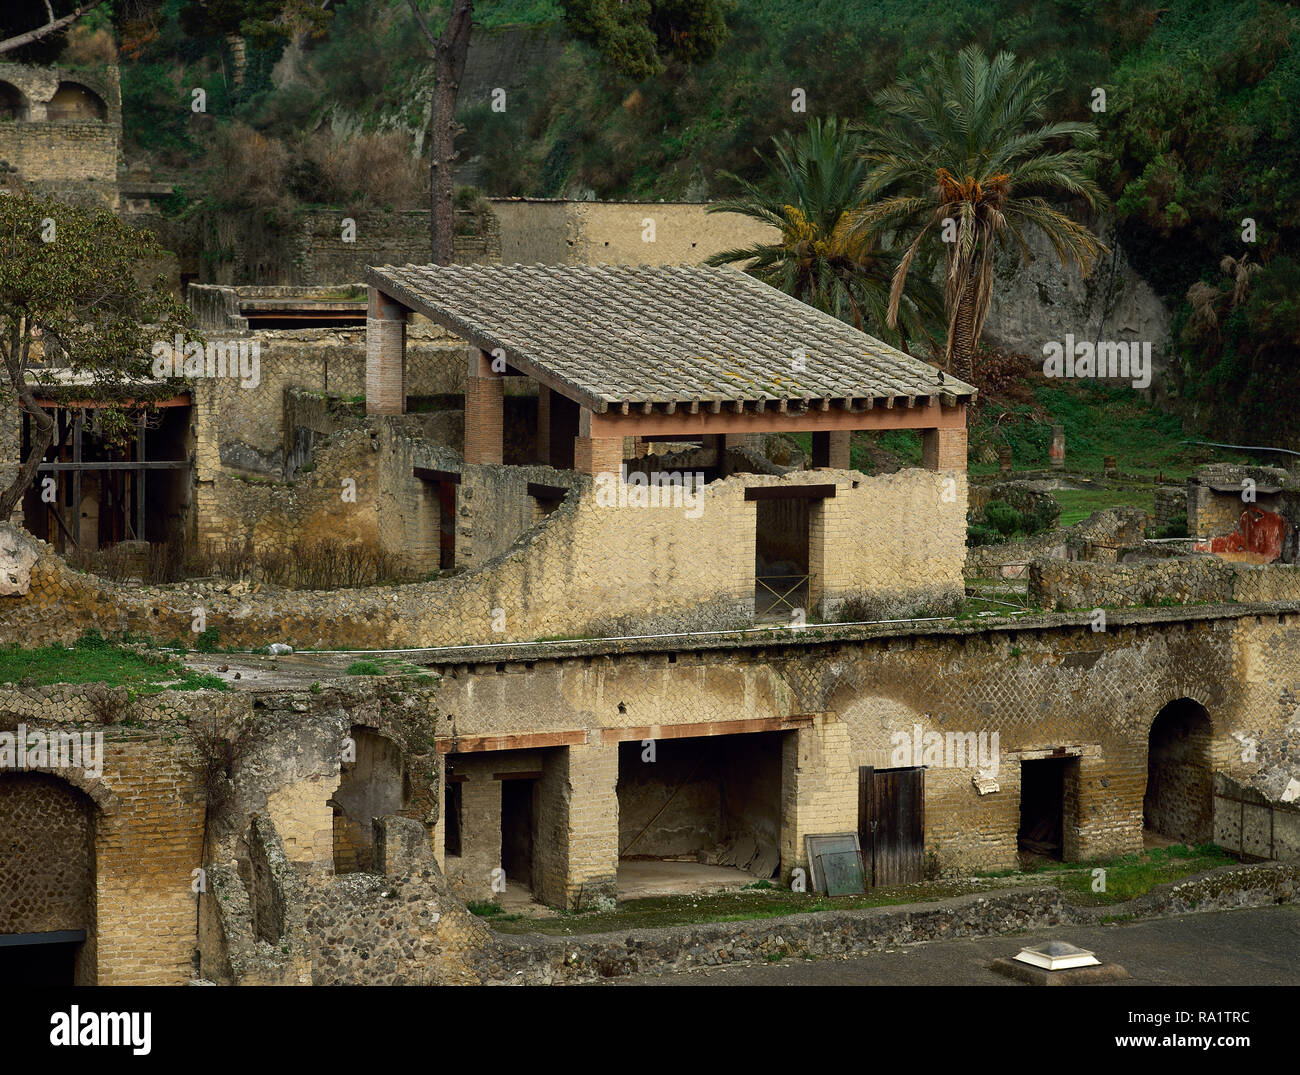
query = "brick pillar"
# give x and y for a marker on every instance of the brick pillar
(831, 449)
(438, 830)
(543, 425)
(385, 355)
(576, 858)
(597, 455)
(484, 406)
(944, 449)
(819, 788)
(480, 833)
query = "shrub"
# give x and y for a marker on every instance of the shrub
(1003, 517)
(978, 534)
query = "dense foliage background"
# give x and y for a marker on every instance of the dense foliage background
(1199, 131)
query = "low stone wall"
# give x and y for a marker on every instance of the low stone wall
(588, 568)
(1247, 823)
(1062, 585)
(1100, 537)
(536, 960)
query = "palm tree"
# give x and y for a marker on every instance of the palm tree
(811, 199)
(964, 151)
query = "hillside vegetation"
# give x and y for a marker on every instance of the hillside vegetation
(1199, 134)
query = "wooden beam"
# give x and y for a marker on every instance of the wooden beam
(139, 479)
(729, 421)
(547, 492)
(182, 400)
(170, 464)
(479, 744)
(425, 474)
(790, 492)
(609, 736)
(531, 774)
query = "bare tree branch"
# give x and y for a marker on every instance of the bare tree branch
(51, 27)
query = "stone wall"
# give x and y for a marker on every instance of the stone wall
(245, 423)
(58, 148)
(834, 700)
(584, 569)
(542, 231)
(1041, 687)
(399, 237)
(1061, 584)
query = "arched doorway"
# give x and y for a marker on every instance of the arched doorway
(76, 102)
(13, 105)
(47, 881)
(1179, 800)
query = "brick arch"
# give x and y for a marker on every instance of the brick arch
(1179, 798)
(92, 787)
(49, 842)
(73, 100)
(13, 102)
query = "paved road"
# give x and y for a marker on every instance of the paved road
(1249, 947)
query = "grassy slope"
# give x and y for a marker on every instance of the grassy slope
(92, 660)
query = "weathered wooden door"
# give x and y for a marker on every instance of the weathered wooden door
(891, 824)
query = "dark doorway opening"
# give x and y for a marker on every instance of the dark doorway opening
(446, 525)
(1042, 807)
(517, 830)
(1179, 799)
(451, 818)
(781, 580)
(40, 959)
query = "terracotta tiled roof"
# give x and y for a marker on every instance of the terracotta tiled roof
(613, 335)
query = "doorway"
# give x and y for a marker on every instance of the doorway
(1179, 799)
(1042, 807)
(518, 798)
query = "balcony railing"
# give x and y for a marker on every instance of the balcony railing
(776, 595)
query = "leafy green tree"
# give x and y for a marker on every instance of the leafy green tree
(811, 198)
(964, 156)
(636, 36)
(640, 37)
(72, 299)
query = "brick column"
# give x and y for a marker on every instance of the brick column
(831, 449)
(944, 449)
(819, 788)
(595, 455)
(385, 355)
(576, 859)
(543, 424)
(484, 406)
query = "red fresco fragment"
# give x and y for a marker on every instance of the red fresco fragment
(1261, 532)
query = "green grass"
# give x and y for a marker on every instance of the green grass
(92, 659)
(1078, 504)
(389, 666)
(1100, 420)
(1127, 876)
